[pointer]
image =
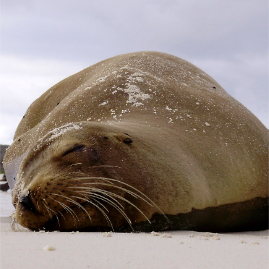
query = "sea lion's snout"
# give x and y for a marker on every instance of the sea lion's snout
(80, 184)
(26, 202)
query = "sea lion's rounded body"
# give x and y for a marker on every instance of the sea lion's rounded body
(143, 140)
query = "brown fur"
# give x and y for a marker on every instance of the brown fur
(152, 129)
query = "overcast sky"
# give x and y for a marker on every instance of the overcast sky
(44, 41)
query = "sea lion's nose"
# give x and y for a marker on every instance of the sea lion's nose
(26, 202)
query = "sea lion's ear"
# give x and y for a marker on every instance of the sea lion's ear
(125, 138)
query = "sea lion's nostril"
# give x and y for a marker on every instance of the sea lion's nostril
(26, 202)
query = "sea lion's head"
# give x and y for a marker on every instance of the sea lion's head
(81, 175)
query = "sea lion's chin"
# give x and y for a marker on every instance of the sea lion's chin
(30, 219)
(88, 219)
(63, 220)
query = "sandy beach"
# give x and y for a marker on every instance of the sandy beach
(180, 249)
(177, 249)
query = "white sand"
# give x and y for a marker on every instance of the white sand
(182, 249)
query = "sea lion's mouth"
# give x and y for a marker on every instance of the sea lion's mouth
(84, 202)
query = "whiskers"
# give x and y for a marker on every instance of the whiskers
(79, 201)
(103, 193)
(92, 192)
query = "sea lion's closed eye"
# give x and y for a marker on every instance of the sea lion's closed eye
(73, 149)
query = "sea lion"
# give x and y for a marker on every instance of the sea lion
(139, 142)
